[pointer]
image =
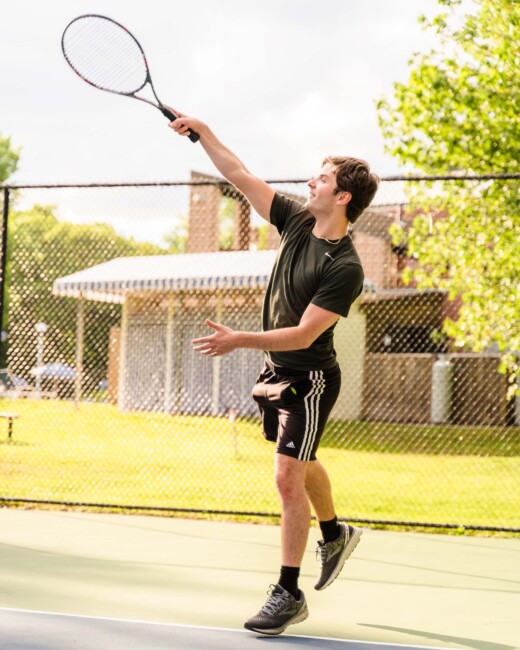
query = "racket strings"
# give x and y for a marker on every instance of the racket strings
(105, 54)
(115, 63)
(120, 74)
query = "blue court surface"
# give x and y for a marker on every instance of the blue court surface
(71, 580)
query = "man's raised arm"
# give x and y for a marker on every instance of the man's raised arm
(256, 191)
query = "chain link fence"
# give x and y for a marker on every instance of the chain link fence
(105, 403)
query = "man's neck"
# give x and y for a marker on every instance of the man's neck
(330, 227)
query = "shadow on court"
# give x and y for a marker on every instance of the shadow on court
(82, 580)
(460, 641)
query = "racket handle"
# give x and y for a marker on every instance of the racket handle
(192, 135)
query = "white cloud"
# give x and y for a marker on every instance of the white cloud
(283, 82)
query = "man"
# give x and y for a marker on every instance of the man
(316, 277)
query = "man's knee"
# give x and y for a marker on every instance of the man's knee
(289, 476)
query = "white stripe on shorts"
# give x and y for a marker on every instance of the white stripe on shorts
(312, 411)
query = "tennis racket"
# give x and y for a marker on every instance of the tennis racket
(107, 56)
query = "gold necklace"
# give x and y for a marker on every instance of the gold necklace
(333, 242)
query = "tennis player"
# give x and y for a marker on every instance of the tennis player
(316, 277)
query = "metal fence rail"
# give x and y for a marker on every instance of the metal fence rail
(103, 286)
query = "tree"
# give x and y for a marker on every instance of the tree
(8, 165)
(459, 111)
(8, 159)
(41, 249)
(176, 241)
(226, 230)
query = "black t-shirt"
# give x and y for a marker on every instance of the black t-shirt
(308, 270)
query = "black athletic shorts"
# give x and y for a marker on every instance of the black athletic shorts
(295, 406)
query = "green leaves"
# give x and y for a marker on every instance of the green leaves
(8, 159)
(460, 110)
(41, 249)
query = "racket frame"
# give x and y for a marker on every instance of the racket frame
(193, 136)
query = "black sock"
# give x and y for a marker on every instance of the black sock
(330, 530)
(289, 579)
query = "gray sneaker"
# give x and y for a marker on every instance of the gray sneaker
(333, 555)
(280, 610)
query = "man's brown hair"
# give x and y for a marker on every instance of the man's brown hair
(354, 176)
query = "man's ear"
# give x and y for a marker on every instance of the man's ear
(344, 198)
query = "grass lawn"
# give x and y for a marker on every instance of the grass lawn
(96, 454)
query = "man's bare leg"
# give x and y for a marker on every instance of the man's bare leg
(319, 491)
(339, 539)
(296, 512)
(286, 603)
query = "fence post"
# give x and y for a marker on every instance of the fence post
(80, 335)
(170, 360)
(3, 262)
(215, 388)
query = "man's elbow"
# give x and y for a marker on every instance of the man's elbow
(238, 176)
(306, 340)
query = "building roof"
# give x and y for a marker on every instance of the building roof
(113, 280)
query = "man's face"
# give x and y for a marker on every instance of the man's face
(321, 190)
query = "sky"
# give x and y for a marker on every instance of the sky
(281, 82)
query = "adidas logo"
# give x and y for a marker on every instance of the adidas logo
(290, 445)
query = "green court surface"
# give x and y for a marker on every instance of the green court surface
(84, 580)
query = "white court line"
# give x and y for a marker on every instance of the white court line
(213, 629)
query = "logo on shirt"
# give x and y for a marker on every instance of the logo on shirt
(329, 255)
(290, 445)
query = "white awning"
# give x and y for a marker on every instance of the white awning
(113, 280)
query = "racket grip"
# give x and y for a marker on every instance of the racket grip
(192, 135)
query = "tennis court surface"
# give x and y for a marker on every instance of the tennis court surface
(71, 580)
